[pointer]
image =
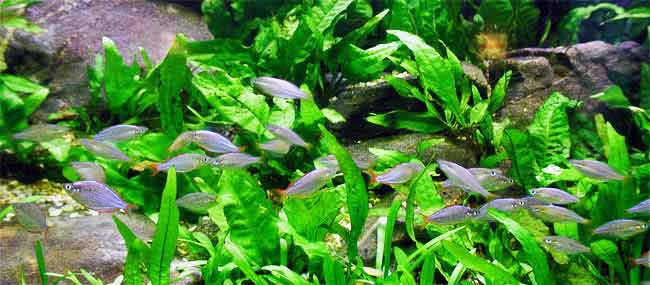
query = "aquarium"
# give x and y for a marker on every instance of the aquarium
(325, 142)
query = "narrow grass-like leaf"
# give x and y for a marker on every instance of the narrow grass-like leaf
(533, 253)
(388, 234)
(608, 252)
(333, 271)
(428, 269)
(479, 264)
(355, 186)
(499, 92)
(40, 259)
(136, 255)
(163, 246)
(239, 258)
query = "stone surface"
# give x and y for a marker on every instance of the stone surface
(577, 72)
(446, 149)
(92, 243)
(74, 30)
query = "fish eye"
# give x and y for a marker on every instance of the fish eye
(533, 191)
(548, 240)
(67, 186)
(493, 173)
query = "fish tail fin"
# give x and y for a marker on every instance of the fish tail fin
(587, 222)
(425, 218)
(373, 176)
(282, 194)
(241, 148)
(130, 207)
(154, 168)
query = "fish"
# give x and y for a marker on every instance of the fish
(197, 202)
(308, 183)
(30, 216)
(287, 135)
(275, 87)
(623, 228)
(641, 208)
(492, 179)
(207, 140)
(452, 215)
(331, 162)
(505, 204)
(643, 260)
(552, 195)
(235, 160)
(184, 162)
(96, 196)
(120, 133)
(41, 132)
(400, 174)
(462, 178)
(565, 245)
(103, 149)
(89, 171)
(556, 214)
(596, 169)
(276, 146)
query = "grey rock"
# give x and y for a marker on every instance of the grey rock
(577, 72)
(447, 149)
(59, 56)
(91, 243)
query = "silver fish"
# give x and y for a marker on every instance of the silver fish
(30, 216)
(278, 88)
(400, 174)
(461, 177)
(207, 140)
(641, 208)
(622, 228)
(596, 169)
(235, 160)
(643, 260)
(492, 179)
(120, 133)
(556, 214)
(184, 162)
(452, 215)
(506, 205)
(552, 195)
(287, 135)
(309, 183)
(89, 171)
(96, 196)
(197, 202)
(276, 146)
(565, 245)
(103, 149)
(41, 132)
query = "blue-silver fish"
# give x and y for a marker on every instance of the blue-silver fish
(641, 208)
(276, 146)
(565, 245)
(197, 202)
(96, 196)
(89, 171)
(556, 214)
(461, 177)
(505, 204)
(184, 162)
(623, 228)
(596, 169)
(103, 149)
(492, 179)
(30, 216)
(552, 195)
(207, 140)
(287, 135)
(452, 215)
(278, 88)
(120, 133)
(400, 174)
(309, 183)
(41, 132)
(235, 160)
(643, 260)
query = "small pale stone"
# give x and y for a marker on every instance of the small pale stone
(54, 212)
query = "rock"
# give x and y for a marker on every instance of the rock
(91, 243)
(74, 30)
(446, 148)
(577, 72)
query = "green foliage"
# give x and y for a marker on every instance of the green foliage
(476, 263)
(524, 164)
(19, 98)
(163, 246)
(40, 260)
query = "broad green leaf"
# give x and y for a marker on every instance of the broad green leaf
(499, 92)
(361, 32)
(330, 18)
(355, 186)
(428, 270)
(120, 79)
(479, 264)
(550, 131)
(326, 203)
(59, 148)
(333, 116)
(333, 271)
(524, 166)
(174, 78)
(250, 216)
(426, 194)
(613, 96)
(286, 275)
(533, 253)
(569, 27)
(163, 247)
(478, 112)
(282, 113)
(607, 251)
(309, 111)
(366, 65)
(137, 252)
(388, 158)
(419, 122)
